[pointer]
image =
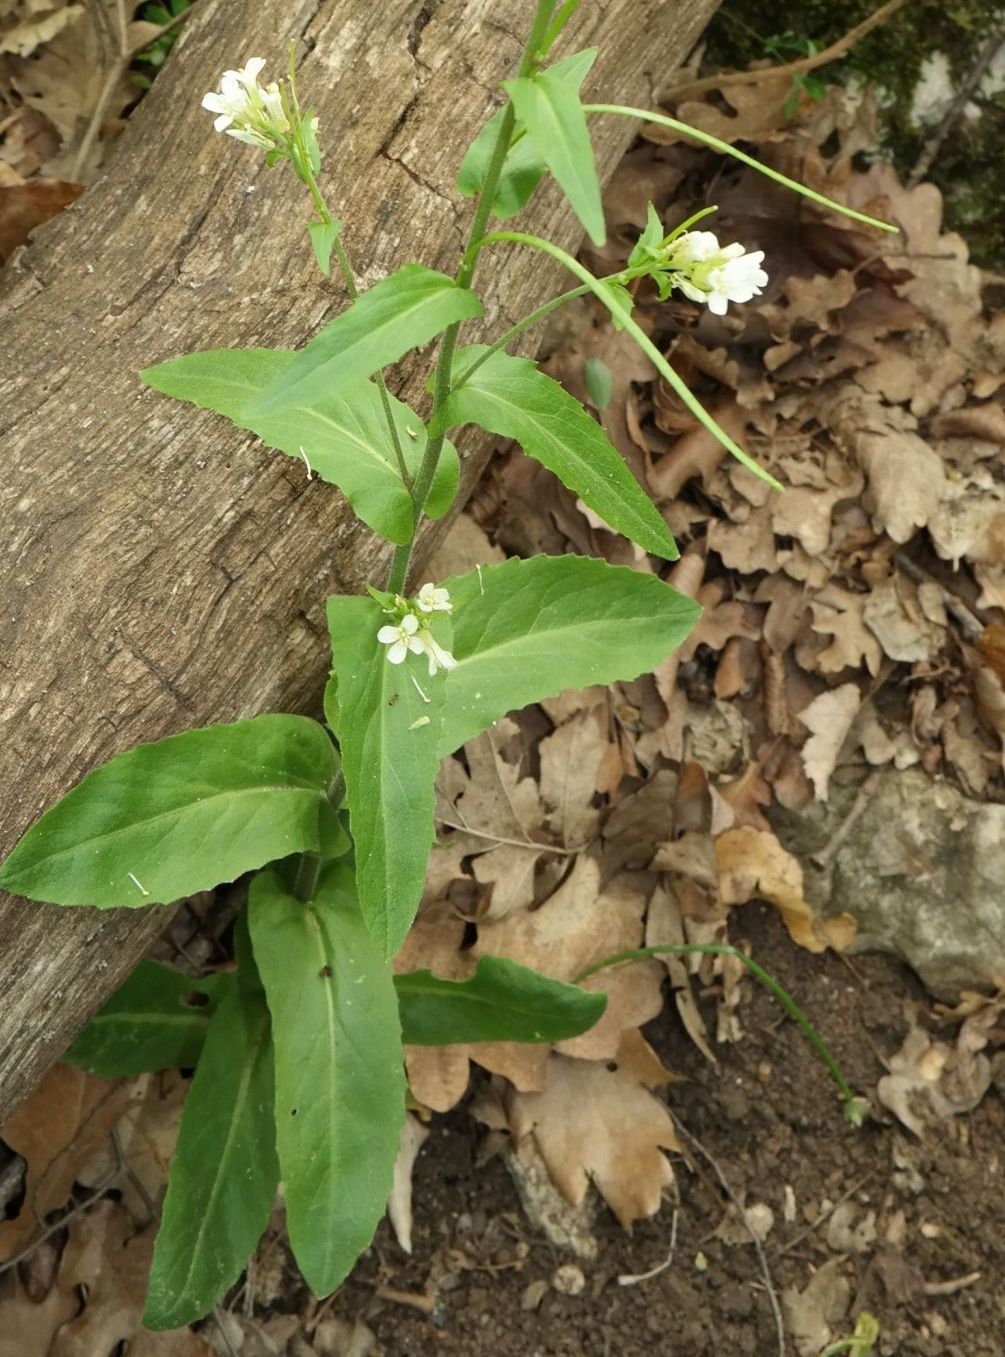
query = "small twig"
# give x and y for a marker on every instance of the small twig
(123, 1167)
(690, 88)
(633, 1279)
(950, 1288)
(221, 1329)
(862, 798)
(955, 110)
(824, 1215)
(762, 1257)
(115, 74)
(417, 1301)
(64, 1219)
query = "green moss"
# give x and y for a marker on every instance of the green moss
(970, 166)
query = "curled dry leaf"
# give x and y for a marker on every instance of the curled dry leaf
(829, 719)
(929, 1080)
(601, 1123)
(753, 865)
(399, 1205)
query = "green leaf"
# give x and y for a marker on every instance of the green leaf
(514, 398)
(165, 820)
(552, 113)
(340, 1089)
(526, 630)
(397, 314)
(156, 1020)
(225, 1173)
(388, 721)
(523, 168)
(599, 382)
(343, 438)
(323, 236)
(502, 1001)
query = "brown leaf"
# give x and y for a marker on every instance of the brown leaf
(110, 1264)
(25, 206)
(829, 718)
(599, 1122)
(571, 760)
(753, 865)
(61, 1126)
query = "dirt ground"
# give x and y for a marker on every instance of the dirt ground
(768, 1116)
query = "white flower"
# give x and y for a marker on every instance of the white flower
(437, 656)
(402, 639)
(715, 274)
(247, 112)
(739, 279)
(430, 599)
(694, 247)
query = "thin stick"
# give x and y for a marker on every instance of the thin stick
(223, 1332)
(863, 796)
(955, 109)
(762, 1257)
(690, 88)
(633, 1279)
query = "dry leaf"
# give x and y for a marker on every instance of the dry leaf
(399, 1205)
(109, 1264)
(571, 761)
(600, 1123)
(60, 1127)
(931, 1080)
(828, 718)
(814, 1313)
(754, 865)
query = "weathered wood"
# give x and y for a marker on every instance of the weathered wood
(161, 569)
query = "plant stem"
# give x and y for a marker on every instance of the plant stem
(515, 331)
(305, 882)
(398, 575)
(349, 278)
(625, 322)
(725, 148)
(852, 1104)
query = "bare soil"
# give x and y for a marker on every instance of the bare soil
(769, 1117)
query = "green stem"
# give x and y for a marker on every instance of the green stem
(625, 322)
(305, 882)
(517, 330)
(724, 147)
(398, 574)
(854, 1110)
(349, 278)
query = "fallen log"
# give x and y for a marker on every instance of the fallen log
(163, 570)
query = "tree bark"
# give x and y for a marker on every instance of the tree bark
(163, 569)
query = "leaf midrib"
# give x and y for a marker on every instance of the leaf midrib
(253, 1050)
(151, 820)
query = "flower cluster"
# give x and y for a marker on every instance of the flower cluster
(268, 118)
(410, 631)
(698, 265)
(248, 112)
